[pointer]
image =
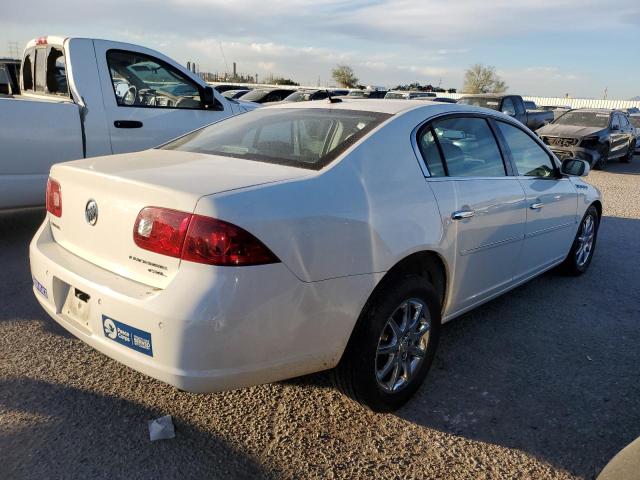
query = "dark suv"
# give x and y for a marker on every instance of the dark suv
(594, 135)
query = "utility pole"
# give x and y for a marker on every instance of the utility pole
(14, 49)
(606, 93)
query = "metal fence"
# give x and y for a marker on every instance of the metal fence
(569, 102)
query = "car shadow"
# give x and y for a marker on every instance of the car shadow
(550, 368)
(81, 434)
(17, 228)
(617, 167)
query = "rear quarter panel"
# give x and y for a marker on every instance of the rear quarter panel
(362, 214)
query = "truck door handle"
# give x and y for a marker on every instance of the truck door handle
(127, 124)
(536, 206)
(461, 214)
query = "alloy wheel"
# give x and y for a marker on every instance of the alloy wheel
(402, 345)
(585, 240)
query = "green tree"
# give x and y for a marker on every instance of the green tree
(483, 79)
(284, 81)
(344, 76)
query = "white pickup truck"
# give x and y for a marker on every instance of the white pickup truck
(82, 97)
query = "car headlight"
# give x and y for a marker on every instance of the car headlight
(590, 143)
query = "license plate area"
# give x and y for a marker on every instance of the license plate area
(72, 303)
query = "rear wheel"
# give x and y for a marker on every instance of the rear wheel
(579, 258)
(629, 156)
(393, 344)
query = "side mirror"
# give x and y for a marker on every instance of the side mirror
(208, 98)
(615, 127)
(575, 167)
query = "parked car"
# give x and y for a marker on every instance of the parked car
(443, 100)
(408, 95)
(594, 135)
(306, 94)
(556, 110)
(235, 94)
(511, 105)
(267, 95)
(633, 110)
(267, 246)
(366, 93)
(9, 76)
(83, 98)
(635, 121)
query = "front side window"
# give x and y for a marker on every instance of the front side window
(300, 138)
(27, 71)
(57, 73)
(143, 81)
(615, 123)
(530, 158)
(469, 147)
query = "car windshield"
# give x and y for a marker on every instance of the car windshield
(584, 119)
(484, 102)
(306, 138)
(635, 121)
(300, 96)
(255, 95)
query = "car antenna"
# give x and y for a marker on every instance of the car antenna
(331, 99)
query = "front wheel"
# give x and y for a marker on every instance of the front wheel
(584, 244)
(393, 344)
(632, 149)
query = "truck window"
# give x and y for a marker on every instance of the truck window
(27, 71)
(57, 73)
(40, 69)
(508, 107)
(143, 81)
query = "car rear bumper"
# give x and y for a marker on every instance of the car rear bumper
(212, 328)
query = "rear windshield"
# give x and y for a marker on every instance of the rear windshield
(255, 95)
(492, 103)
(306, 138)
(584, 119)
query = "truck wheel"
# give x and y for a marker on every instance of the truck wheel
(584, 244)
(629, 156)
(392, 346)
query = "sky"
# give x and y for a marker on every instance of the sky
(540, 48)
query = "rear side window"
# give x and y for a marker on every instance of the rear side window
(57, 73)
(530, 158)
(469, 147)
(307, 138)
(27, 71)
(40, 70)
(431, 153)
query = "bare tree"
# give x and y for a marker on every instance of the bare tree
(344, 76)
(483, 79)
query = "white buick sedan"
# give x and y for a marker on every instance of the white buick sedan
(303, 237)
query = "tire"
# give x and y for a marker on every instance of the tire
(629, 156)
(361, 371)
(603, 160)
(576, 263)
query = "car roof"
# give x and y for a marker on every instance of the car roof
(389, 106)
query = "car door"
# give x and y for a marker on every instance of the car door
(148, 99)
(482, 207)
(618, 137)
(551, 201)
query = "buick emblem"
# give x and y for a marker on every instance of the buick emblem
(91, 212)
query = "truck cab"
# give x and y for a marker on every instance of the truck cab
(85, 97)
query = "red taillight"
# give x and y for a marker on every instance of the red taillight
(54, 198)
(161, 230)
(200, 239)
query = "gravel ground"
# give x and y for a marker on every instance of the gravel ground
(540, 383)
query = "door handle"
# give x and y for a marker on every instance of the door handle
(127, 124)
(462, 214)
(536, 206)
